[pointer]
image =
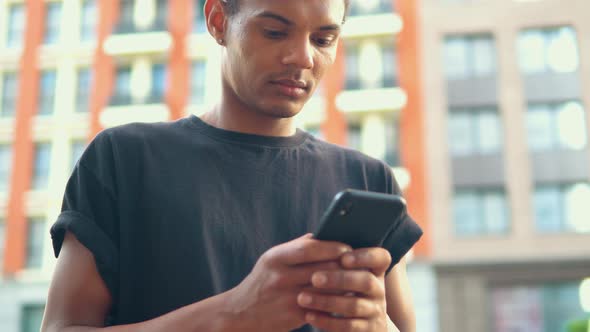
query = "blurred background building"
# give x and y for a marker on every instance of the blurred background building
(479, 106)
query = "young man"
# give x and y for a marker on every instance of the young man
(203, 224)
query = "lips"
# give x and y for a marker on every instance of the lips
(291, 88)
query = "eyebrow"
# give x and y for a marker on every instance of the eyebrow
(277, 17)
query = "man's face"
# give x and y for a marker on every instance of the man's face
(278, 50)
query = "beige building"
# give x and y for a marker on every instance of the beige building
(506, 95)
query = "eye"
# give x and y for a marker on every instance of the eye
(324, 41)
(274, 34)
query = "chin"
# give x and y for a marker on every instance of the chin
(282, 112)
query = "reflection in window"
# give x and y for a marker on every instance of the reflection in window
(41, 166)
(199, 24)
(35, 243)
(5, 166)
(198, 78)
(548, 50)
(8, 94)
(556, 126)
(474, 131)
(16, 25)
(89, 20)
(480, 212)
(52, 22)
(562, 207)
(47, 92)
(469, 56)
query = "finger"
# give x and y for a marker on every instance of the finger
(357, 281)
(301, 274)
(305, 250)
(377, 260)
(329, 323)
(343, 306)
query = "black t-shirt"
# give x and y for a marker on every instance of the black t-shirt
(177, 212)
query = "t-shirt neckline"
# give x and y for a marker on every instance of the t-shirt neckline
(243, 138)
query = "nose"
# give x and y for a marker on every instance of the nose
(299, 54)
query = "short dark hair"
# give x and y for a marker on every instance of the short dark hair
(231, 6)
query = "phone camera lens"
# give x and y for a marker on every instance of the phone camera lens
(346, 209)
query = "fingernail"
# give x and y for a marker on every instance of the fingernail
(310, 317)
(344, 250)
(304, 299)
(319, 279)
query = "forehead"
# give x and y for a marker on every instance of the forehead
(309, 12)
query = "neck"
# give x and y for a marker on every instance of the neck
(232, 114)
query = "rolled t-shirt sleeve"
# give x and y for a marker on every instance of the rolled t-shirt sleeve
(89, 210)
(402, 238)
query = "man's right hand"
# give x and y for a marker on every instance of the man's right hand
(266, 300)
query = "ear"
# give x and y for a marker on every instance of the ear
(216, 19)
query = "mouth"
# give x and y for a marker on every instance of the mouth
(291, 88)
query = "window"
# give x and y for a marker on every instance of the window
(474, 131)
(480, 212)
(198, 78)
(83, 90)
(548, 50)
(5, 166)
(122, 93)
(47, 92)
(540, 308)
(32, 316)
(35, 242)
(126, 24)
(41, 166)
(369, 7)
(469, 56)
(354, 139)
(52, 21)
(16, 25)
(390, 71)
(392, 144)
(199, 24)
(89, 20)
(353, 80)
(556, 126)
(2, 242)
(78, 147)
(159, 79)
(161, 15)
(9, 94)
(561, 207)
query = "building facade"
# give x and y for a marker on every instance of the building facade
(70, 68)
(507, 94)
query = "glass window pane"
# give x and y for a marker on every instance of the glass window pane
(199, 25)
(122, 91)
(531, 51)
(158, 81)
(456, 58)
(47, 92)
(89, 20)
(571, 126)
(517, 309)
(461, 133)
(389, 67)
(548, 209)
(495, 213)
(198, 78)
(483, 56)
(352, 68)
(467, 213)
(5, 166)
(52, 21)
(16, 25)
(562, 52)
(78, 148)
(32, 317)
(83, 90)
(540, 126)
(577, 199)
(9, 94)
(488, 131)
(354, 139)
(41, 166)
(561, 305)
(35, 241)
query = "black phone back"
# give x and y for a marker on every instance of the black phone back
(360, 218)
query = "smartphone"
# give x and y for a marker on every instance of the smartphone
(361, 218)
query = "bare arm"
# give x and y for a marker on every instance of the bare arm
(80, 301)
(399, 298)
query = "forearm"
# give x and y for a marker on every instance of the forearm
(206, 315)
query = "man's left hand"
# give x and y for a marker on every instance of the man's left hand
(350, 299)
